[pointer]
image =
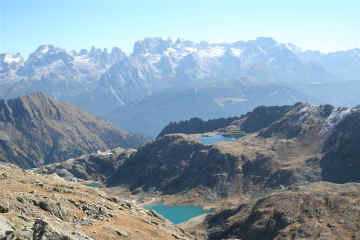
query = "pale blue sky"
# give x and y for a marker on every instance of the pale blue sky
(73, 24)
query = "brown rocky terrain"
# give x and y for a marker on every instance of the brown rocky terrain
(37, 130)
(317, 211)
(34, 206)
(96, 167)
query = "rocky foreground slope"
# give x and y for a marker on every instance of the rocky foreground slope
(37, 130)
(38, 207)
(276, 147)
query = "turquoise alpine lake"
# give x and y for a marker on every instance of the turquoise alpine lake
(94, 185)
(215, 138)
(178, 214)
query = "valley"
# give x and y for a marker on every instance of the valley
(227, 178)
(226, 140)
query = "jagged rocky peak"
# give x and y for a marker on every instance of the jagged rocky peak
(204, 49)
(264, 42)
(117, 53)
(47, 50)
(183, 43)
(47, 54)
(83, 52)
(152, 46)
(104, 57)
(10, 61)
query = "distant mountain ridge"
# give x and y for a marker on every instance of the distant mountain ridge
(196, 125)
(215, 100)
(37, 130)
(101, 81)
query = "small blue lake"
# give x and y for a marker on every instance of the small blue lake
(216, 138)
(178, 214)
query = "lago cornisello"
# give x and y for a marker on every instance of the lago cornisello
(178, 214)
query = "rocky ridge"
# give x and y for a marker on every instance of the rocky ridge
(96, 167)
(37, 130)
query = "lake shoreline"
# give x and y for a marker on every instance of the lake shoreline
(179, 214)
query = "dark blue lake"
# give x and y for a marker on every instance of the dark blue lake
(178, 214)
(216, 138)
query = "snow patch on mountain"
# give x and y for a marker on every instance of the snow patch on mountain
(117, 97)
(236, 51)
(212, 52)
(336, 116)
(304, 113)
(44, 50)
(81, 60)
(9, 58)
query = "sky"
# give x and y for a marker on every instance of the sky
(328, 26)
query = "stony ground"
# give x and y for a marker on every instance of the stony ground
(317, 211)
(34, 206)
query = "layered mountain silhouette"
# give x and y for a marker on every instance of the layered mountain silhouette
(101, 81)
(229, 98)
(37, 130)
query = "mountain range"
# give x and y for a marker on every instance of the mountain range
(107, 83)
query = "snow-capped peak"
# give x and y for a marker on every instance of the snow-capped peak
(12, 58)
(44, 49)
(293, 48)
